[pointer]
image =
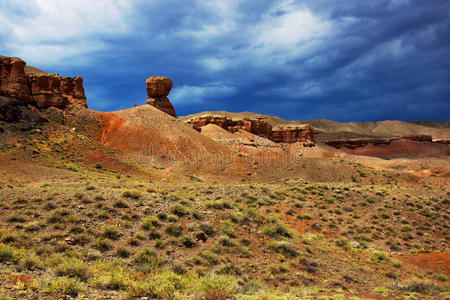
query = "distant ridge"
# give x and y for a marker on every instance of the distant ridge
(331, 130)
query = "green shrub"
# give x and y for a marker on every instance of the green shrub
(111, 276)
(72, 267)
(131, 194)
(343, 243)
(227, 228)
(207, 228)
(63, 286)
(276, 228)
(174, 229)
(103, 244)
(111, 232)
(146, 260)
(187, 241)
(150, 223)
(210, 257)
(218, 204)
(178, 210)
(284, 248)
(378, 256)
(441, 277)
(6, 253)
(395, 262)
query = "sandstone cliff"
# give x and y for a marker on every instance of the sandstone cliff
(257, 126)
(39, 88)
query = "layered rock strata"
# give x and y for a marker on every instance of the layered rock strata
(257, 126)
(357, 143)
(39, 88)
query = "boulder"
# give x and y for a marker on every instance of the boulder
(158, 88)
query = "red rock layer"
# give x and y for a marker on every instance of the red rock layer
(292, 134)
(280, 134)
(39, 89)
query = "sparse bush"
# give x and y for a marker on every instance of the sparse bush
(284, 248)
(210, 257)
(227, 228)
(276, 228)
(111, 232)
(103, 244)
(178, 210)
(72, 267)
(6, 253)
(146, 260)
(174, 229)
(132, 194)
(207, 228)
(63, 286)
(187, 241)
(150, 223)
(378, 256)
(123, 252)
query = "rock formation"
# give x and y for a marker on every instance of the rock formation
(292, 133)
(158, 88)
(39, 88)
(257, 126)
(357, 143)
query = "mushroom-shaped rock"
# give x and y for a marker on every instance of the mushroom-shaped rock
(158, 87)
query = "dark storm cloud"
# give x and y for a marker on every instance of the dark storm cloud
(343, 60)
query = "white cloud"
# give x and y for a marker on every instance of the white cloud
(284, 32)
(48, 31)
(199, 94)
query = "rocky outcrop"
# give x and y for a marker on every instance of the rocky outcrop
(158, 88)
(39, 88)
(357, 143)
(257, 126)
(292, 134)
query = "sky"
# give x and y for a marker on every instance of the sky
(343, 60)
